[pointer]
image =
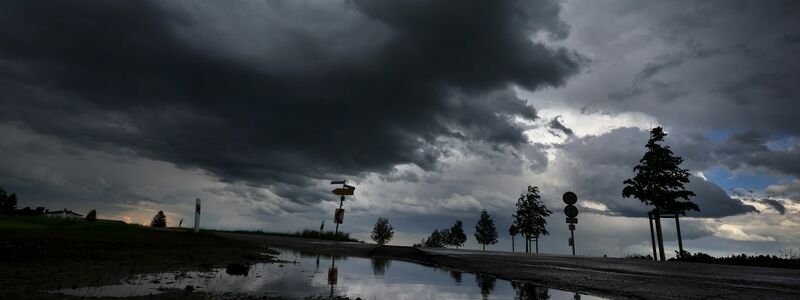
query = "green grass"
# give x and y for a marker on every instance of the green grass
(307, 234)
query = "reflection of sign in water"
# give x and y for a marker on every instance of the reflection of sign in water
(339, 217)
(333, 276)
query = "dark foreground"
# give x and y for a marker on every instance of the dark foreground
(608, 277)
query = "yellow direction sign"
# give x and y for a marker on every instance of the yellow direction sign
(343, 192)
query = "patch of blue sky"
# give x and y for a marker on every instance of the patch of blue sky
(730, 181)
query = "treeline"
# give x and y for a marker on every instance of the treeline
(789, 260)
(529, 220)
(8, 206)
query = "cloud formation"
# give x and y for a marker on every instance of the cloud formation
(135, 77)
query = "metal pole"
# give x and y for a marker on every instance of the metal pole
(652, 235)
(512, 244)
(537, 244)
(680, 240)
(660, 238)
(341, 202)
(197, 215)
(572, 234)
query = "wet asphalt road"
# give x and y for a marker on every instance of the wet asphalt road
(607, 277)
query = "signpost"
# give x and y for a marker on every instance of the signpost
(345, 190)
(197, 215)
(572, 216)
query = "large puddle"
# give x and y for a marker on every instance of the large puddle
(313, 275)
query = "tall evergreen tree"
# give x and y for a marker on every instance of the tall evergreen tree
(659, 179)
(485, 231)
(530, 218)
(659, 183)
(383, 232)
(159, 220)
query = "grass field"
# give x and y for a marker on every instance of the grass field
(40, 253)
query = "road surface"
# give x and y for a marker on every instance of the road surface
(607, 277)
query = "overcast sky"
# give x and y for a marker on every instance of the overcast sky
(434, 110)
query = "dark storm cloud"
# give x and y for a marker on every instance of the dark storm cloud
(121, 76)
(750, 150)
(777, 205)
(556, 125)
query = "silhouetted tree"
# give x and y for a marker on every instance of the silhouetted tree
(659, 179)
(485, 231)
(159, 220)
(8, 203)
(383, 232)
(435, 240)
(91, 216)
(530, 218)
(659, 183)
(512, 231)
(455, 236)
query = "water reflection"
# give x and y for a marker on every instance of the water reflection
(526, 291)
(456, 275)
(354, 277)
(380, 265)
(486, 283)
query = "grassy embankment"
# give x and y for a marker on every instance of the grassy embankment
(40, 253)
(307, 234)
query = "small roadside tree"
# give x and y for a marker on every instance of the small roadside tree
(485, 231)
(435, 240)
(659, 183)
(455, 236)
(530, 218)
(383, 232)
(159, 220)
(91, 216)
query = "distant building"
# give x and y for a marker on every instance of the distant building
(64, 214)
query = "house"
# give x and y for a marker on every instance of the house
(64, 214)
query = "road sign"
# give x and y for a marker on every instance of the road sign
(571, 211)
(571, 226)
(572, 220)
(349, 187)
(343, 192)
(571, 242)
(338, 182)
(338, 218)
(570, 198)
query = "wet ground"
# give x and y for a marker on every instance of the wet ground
(298, 274)
(607, 277)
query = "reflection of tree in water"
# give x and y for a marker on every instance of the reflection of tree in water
(527, 291)
(380, 265)
(486, 283)
(456, 275)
